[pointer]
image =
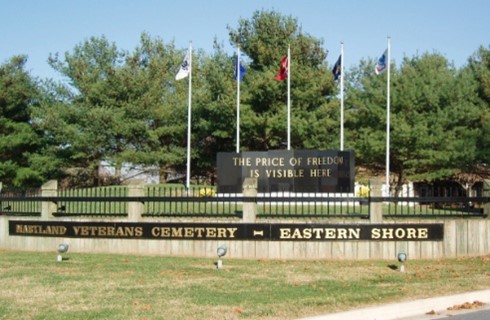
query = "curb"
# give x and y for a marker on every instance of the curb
(408, 309)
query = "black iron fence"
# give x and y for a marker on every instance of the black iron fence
(100, 201)
(177, 201)
(16, 202)
(161, 201)
(432, 207)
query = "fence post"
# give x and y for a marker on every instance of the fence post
(486, 193)
(376, 208)
(49, 189)
(249, 188)
(136, 209)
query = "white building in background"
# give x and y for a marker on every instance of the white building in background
(131, 172)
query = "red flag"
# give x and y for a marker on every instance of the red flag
(283, 71)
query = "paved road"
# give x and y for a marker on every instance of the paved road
(475, 315)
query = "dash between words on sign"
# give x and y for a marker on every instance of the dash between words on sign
(231, 232)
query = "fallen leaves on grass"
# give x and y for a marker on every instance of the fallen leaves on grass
(141, 305)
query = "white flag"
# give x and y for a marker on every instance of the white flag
(185, 68)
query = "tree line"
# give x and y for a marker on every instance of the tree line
(126, 107)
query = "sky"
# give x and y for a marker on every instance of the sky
(38, 28)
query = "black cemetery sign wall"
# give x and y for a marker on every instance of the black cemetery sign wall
(287, 170)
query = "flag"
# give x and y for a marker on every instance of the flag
(283, 70)
(185, 68)
(337, 70)
(381, 65)
(242, 70)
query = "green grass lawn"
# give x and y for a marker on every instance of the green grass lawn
(102, 286)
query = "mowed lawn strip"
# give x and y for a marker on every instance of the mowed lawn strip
(105, 286)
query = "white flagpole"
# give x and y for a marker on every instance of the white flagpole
(238, 100)
(188, 175)
(341, 96)
(388, 119)
(289, 97)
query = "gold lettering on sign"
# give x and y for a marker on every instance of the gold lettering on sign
(242, 162)
(285, 173)
(177, 232)
(194, 232)
(210, 232)
(320, 233)
(320, 173)
(399, 233)
(270, 162)
(40, 229)
(330, 233)
(324, 161)
(108, 231)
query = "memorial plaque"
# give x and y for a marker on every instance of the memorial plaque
(287, 170)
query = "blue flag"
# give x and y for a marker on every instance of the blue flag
(242, 70)
(381, 65)
(337, 68)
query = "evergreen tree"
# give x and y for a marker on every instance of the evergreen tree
(434, 116)
(214, 110)
(265, 39)
(117, 107)
(479, 68)
(19, 142)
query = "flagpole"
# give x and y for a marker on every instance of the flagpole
(341, 96)
(238, 100)
(289, 96)
(388, 119)
(188, 175)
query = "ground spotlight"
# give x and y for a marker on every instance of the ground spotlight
(402, 258)
(221, 253)
(62, 248)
